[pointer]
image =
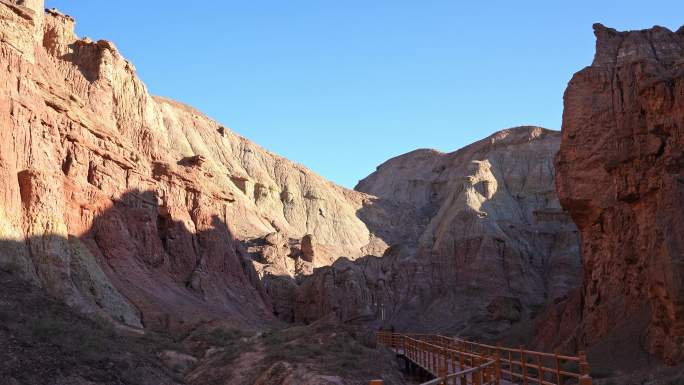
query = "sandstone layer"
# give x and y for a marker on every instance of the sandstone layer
(486, 244)
(620, 175)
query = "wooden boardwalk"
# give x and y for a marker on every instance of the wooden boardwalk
(460, 373)
(460, 362)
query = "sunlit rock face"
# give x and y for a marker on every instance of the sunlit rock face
(620, 175)
(140, 207)
(489, 244)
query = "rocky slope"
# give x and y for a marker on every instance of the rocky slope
(620, 175)
(46, 342)
(140, 207)
(490, 244)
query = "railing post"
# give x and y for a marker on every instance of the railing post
(416, 353)
(497, 367)
(476, 374)
(585, 378)
(442, 373)
(452, 359)
(419, 352)
(423, 353)
(433, 351)
(559, 377)
(540, 368)
(523, 363)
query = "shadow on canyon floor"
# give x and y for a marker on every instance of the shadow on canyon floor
(181, 280)
(166, 268)
(134, 260)
(46, 342)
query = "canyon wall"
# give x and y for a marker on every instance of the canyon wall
(620, 174)
(145, 210)
(139, 207)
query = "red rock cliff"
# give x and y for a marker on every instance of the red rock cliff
(136, 206)
(620, 175)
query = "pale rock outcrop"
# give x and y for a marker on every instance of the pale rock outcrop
(178, 362)
(491, 244)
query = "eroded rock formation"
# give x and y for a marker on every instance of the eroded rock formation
(620, 175)
(490, 244)
(140, 207)
(144, 209)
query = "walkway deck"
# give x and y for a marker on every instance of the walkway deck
(457, 370)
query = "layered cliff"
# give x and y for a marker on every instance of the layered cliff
(145, 210)
(490, 245)
(620, 174)
(140, 207)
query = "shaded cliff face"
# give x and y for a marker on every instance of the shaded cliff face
(140, 207)
(490, 247)
(620, 175)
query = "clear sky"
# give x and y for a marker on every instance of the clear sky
(341, 86)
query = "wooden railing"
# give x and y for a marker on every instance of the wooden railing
(475, 375)
(448, 357)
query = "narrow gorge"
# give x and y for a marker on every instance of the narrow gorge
(210, 260)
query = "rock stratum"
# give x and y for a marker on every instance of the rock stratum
(620, 174)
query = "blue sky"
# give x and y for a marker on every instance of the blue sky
(341, 86)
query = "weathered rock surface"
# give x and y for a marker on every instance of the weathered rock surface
(143, 209)
(140, 207)
(146, 211)
(491, 245)
(620, 174)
